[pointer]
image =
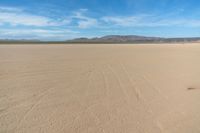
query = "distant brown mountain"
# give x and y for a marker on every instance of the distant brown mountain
(130, 39)
(108, 39)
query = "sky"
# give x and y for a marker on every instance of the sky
(66, 19)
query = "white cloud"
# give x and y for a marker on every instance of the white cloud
(22, 24)
(43, 34)
(17, 16)
(122, 21)
(87, 23)
(24, 19)
(178, 22)
(149, 21)
(16, 23)
(9, 9)
(84, 21)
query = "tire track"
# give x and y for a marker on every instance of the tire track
(145, 80)
(153, 87)
(41, 97)
(32, 108)
(137, 92)
(105, 82)
(120, 84)
(146, 108)
(15, 105)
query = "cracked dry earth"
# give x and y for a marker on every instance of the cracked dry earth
(100, 88)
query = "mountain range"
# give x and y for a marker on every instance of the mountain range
(131, 39)
(111, 39)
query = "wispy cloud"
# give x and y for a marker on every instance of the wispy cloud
(20, 23)
(83, 20)
(178, 22)
(122, 21)
(17, 16)
(24, 19)
(9, 9)
(149, 21)
(44, 34)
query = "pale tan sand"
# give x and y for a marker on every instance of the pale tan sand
(100, 88)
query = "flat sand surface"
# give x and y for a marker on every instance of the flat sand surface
(100, 88)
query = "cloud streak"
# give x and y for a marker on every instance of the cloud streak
(44, 34)
(17, 16)
(149, 21)
(84, 21)
(19, 23)
(9, 9)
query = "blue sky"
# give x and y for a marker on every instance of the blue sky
(66, 19)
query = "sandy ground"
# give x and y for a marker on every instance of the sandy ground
(100, 88)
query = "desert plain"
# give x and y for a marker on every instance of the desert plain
(99, 88)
